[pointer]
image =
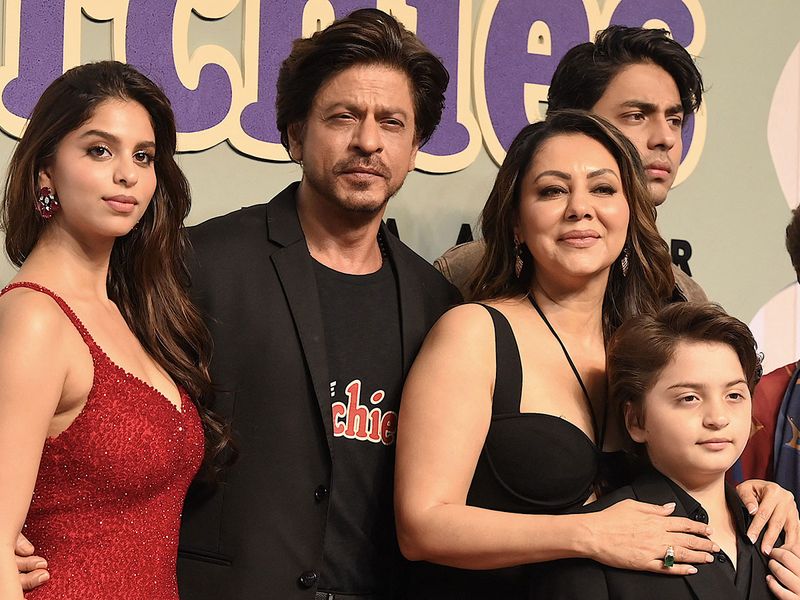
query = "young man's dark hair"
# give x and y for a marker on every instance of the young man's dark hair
(365, 37)
(584, 73)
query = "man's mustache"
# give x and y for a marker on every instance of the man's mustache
(374, 166)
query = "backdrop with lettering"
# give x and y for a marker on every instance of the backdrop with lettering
(218, 61)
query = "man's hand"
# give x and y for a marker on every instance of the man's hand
(32, 569)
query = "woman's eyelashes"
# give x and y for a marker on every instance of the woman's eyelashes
(553, 191)
(143, 157)
(604, 189)
(99, 151)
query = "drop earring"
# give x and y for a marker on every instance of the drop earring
(518, 264)
(625, 261)
(46, 203)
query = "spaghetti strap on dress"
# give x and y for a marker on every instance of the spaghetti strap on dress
(106, 507)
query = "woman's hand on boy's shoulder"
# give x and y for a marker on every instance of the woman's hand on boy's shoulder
(636, 535)
(773, 507)
(784, 581)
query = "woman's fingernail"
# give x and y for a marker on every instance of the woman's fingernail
(42, 564)
(669, 506)
(752, 508)
(43, 577)
(692, 570)
(752, 537)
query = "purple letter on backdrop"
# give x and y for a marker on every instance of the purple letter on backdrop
(437, 27)
(41, 57)
(509, 66)
(281, 23)
(149, 48)
(635, 13)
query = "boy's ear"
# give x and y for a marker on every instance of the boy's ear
(634, 423)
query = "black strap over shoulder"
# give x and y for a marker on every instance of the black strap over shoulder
(508, 378)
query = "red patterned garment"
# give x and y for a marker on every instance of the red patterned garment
(758, 459)
(106, 507)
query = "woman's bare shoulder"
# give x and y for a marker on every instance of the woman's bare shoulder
(475, 312)
(32, 315)
(468, 328)
(464, 320)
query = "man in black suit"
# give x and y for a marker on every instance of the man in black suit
(316, 313)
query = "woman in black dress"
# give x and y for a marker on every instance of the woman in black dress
(502, 419)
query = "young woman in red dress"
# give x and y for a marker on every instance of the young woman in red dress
(102, 355)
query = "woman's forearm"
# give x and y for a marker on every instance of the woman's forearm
(468, 537)
(626, 535)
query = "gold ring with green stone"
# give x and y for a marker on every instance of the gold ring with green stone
(669, 557)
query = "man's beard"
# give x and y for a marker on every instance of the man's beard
(350, 201)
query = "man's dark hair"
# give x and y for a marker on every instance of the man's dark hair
(582, 76)
(364, 37)
(793, 241)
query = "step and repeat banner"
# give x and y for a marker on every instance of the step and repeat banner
(218, 62)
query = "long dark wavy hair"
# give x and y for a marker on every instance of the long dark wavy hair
(147, 276)
(649, 281)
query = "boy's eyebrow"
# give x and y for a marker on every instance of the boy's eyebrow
(685, 384)
(691, 384)
(736, 382)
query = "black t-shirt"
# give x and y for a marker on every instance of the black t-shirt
(362, 332)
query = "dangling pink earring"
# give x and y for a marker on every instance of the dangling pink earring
(47, 203)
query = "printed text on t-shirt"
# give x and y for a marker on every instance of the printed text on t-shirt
(354, 421)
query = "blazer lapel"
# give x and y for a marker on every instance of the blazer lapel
(295, 270)
(709, 582)
(411, 299)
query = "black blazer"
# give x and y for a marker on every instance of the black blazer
(259, 534)
(588, 580)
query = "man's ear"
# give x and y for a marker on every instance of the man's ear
(634, 423)
(412, 161)
(295, 134)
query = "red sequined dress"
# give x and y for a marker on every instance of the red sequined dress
(106, 507)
